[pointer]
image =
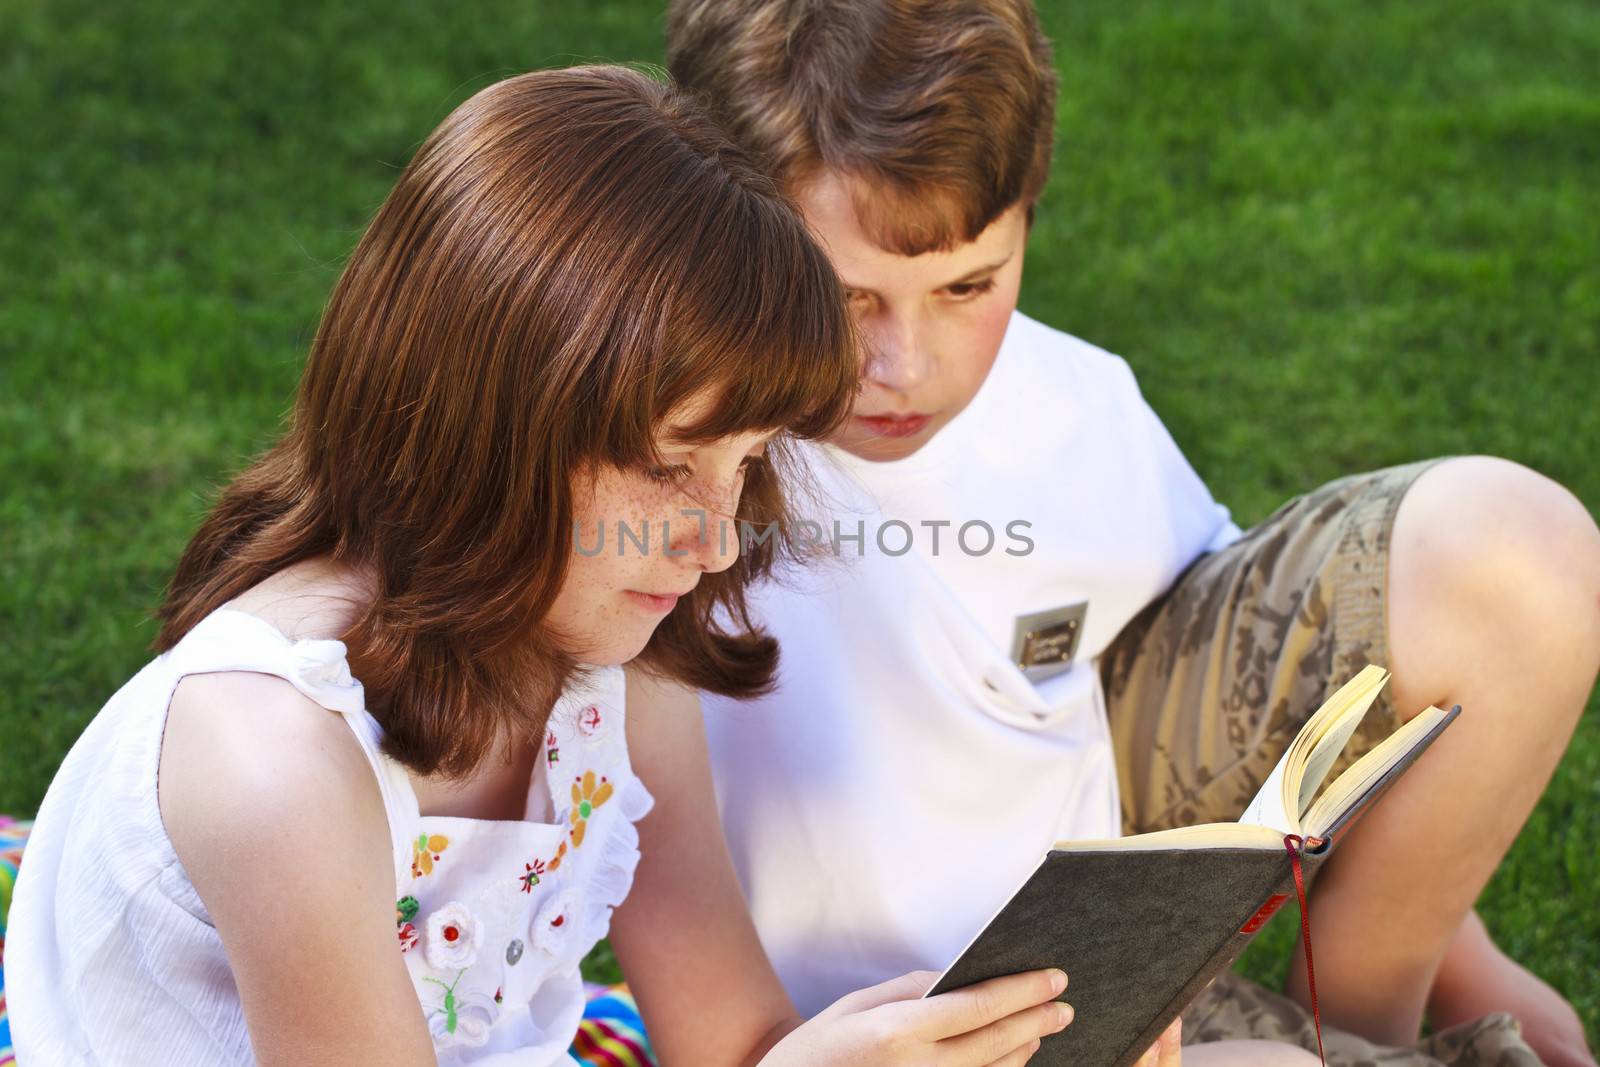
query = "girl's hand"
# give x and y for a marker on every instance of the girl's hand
(1166, 1052)
(998, 1023)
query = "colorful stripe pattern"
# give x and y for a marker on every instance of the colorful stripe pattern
(12, 835)
(611, 1033)
(6, 1055)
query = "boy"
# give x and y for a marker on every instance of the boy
(951, 704)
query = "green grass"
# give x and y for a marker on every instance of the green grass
(1329, 237)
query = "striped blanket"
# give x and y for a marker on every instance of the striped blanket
(611, 1033)
(12, 835)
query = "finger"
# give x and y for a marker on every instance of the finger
(1166, 1052)
(1171, 1045)
(906, 987)
(998, 1039)
(962, 1011)
(1018, 1057)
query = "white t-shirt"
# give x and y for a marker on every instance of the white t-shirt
(906, 774)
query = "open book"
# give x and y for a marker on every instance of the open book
(1142, 924)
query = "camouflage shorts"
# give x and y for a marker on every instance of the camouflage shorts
(1234, 1008)
(1208, 685)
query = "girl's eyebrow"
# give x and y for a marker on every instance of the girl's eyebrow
(671, 437)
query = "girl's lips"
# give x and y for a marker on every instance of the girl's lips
(653, 602)
(894, 425)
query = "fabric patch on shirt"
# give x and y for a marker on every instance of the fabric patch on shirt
(1045, 642)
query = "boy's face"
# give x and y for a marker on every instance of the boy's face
(932, 323)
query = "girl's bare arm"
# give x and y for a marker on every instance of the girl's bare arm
(275, 814)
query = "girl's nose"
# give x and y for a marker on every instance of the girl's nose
(706, 534)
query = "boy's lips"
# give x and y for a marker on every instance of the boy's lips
(894, 425)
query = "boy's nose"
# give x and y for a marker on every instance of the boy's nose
(897, 357)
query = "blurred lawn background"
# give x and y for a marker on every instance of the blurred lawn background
(1328, 236)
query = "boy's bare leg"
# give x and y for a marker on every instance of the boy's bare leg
(1493, 604)
(1476, 978)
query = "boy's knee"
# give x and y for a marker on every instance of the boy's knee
(1490, 536)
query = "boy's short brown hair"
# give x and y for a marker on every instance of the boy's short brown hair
(940, 112)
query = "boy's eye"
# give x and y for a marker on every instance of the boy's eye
(966, 289)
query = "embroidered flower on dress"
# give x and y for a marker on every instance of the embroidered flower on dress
(555, 861)
(463, 1020)
(453, 937)
(530, 875)
(553, 925)
(552, 752)
(587, 795)
(425, 852)
(591, 723)
(405, 909)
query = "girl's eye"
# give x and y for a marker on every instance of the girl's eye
(970, 289)
(676, 472)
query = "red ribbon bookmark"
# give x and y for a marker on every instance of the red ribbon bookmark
(1296, 846)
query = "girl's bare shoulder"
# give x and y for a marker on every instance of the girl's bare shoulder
(246, 754)
(273, 809)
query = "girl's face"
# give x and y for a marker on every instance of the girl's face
(932, 324)
(644, 538)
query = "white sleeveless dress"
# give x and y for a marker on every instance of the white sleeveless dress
(111, 957)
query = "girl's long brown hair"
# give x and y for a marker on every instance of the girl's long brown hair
(571, 256)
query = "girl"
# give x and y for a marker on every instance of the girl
(375, 799)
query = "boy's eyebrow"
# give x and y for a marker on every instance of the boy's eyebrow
(976, 272)
(979, 272)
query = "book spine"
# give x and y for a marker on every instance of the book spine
(1221, 959)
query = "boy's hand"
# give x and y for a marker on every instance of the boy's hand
(997, 1023)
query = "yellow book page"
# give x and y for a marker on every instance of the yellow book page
(1210, 835)
(1359, 694)
(1288, 790)
(1283, 803)
(1346, 789)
